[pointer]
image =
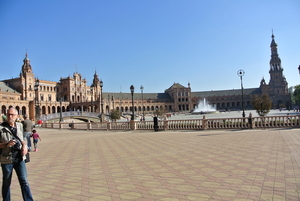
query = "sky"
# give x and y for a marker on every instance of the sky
(154, 43)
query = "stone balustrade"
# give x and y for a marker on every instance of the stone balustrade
(186, 124)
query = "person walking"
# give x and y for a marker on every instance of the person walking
(27, 126)
(13, 154)
(36, 138)
(155, 122)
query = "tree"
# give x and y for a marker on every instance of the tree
(296, 95)
(115, 114)
(160, 112)
(262, 104)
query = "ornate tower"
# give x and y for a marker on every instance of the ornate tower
(278, 84)
(96, 86)
(27, 80)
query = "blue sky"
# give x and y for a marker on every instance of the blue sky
(153, 43)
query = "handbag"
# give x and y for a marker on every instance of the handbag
(27, 160)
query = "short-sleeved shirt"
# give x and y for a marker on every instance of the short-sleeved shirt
(35, 136)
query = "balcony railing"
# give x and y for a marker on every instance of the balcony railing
(187, 124)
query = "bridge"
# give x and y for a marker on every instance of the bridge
(84, 116)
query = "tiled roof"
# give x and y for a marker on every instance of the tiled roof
(232, 92)
(176, 86)
(137, 95)
(202, 94)
(6, 88)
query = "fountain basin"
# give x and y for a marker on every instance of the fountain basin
(204, 112)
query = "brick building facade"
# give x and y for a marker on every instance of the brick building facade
(31, 95)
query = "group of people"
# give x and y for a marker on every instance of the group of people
(15, 143)
(30, 132)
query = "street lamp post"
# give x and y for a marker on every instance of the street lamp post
(37, 104)
(101, 101)
(91, 99)
(132, 91)
(241, 74)
(121, 106)
(142, 88)
(60, 114)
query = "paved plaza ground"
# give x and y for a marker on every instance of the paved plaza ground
(229, 165)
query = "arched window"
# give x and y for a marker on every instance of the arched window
(3, 108)
(24, 110)
(53, 110)
(18, 109)
(43, 109)
(248, 103)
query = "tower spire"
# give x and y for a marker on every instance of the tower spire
(275, 62)
(95, 80)
(26, 67)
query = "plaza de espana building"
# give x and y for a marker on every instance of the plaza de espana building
(72, 93)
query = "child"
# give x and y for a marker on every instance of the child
(36, 138)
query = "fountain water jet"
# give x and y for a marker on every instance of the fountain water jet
(204, 107)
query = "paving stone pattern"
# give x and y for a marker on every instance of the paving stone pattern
(229, 165)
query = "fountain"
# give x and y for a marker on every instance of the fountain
(204, 107)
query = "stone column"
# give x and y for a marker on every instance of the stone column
(132, 124)
(204, 123)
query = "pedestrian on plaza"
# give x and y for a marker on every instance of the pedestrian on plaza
(250, 120)
(13, 153)
(155, 122)
(36, 138)
(40, 123)
(27, 127)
